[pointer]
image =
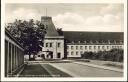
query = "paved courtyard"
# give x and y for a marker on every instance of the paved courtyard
(68, 69)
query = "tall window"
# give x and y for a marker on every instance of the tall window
(90, 47)
(76, 53)
(81, 47)
(81, 52)
(76, 47)
(46, 44)
(107, 47)
(102, 47)
(50, 44)
(67, 53)
(94, 47)
(72, 53)
(72, 47)
(118, 47)
(58, 45)
(98, 47)
(67, 47)
(85, 47)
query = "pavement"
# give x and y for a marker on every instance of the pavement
(100, 66)
(79, 70)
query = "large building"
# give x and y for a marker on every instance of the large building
(72, 44)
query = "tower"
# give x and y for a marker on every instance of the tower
(53, 43)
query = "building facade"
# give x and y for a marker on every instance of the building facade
(53, 47)
(72, 44)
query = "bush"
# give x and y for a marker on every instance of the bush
(112, 55)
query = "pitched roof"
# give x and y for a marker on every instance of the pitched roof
(50, 28)
(87, 36)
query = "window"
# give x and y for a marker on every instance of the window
(81, 52)
(67, 53)
(81, 47)
(102, 47)
(112, 46)
(76, 53)
(72, 53)
(85, 47)
(90, 47)
(72, 47)
(107, 47)
(98, 47)
(58, 55)
(46, 44)
(118, 47)
(58, 45)
(76, 47)
(94, 47)
(38, 55)
(67, 47)
(50, 44)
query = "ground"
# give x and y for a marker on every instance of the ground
(72, 68)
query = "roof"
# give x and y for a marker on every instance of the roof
(7, 33)
(50, 28)
(76, 36)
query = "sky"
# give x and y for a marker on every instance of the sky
(71, 16)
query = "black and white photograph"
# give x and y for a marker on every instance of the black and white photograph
(63, 40)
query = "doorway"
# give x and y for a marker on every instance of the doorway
(58, 55)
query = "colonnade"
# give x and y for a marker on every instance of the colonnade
(14, 56)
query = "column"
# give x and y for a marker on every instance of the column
(18, 55)
(14, 58)
(11, 57)
(6, 58)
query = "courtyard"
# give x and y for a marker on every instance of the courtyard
(71, 68)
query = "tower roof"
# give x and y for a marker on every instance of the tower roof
(50, 28)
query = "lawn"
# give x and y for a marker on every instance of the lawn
(42, 70)
(55, 72)
(34, 70)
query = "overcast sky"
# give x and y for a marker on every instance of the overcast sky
(71, 17)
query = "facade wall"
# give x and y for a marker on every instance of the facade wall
(75, 50)
(56, 46)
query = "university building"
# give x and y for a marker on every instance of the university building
(74, 43)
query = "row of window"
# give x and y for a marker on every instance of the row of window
(92, 47)
(51, 45)
(75, 53)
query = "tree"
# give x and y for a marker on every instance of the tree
(29, 34)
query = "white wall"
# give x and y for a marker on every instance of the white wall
(82, 50)
(55, 49)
